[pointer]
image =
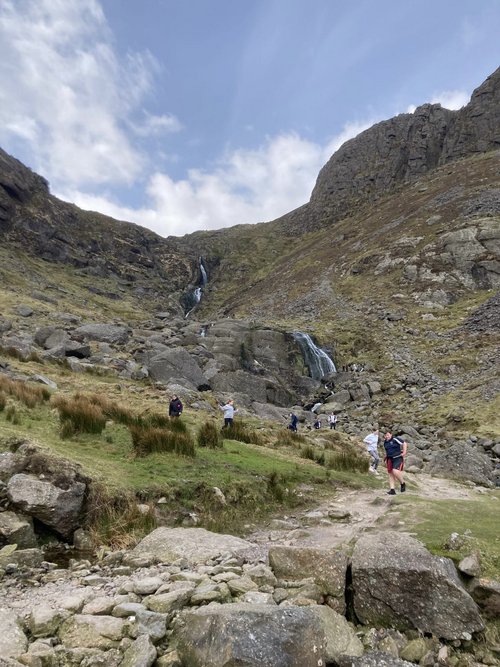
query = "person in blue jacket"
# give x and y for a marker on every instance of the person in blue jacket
(395, 452)
(294, 420)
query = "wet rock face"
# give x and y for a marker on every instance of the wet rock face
(398, 583)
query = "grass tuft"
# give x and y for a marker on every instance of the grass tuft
(238, 431)
(79, 415)
(147, 440)
(349, 461)
(114, 518)
(28, 394)
(209, 436)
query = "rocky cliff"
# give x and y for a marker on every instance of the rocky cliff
(400, 150)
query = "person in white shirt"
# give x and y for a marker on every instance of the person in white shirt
(229, 413)
(332, 420)
(371, 442)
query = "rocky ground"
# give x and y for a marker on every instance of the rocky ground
(284, 588)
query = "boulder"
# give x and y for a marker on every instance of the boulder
(141, 653)
(462, 461)
(398, 583)
(176, 364)
(55, 507)
(470, 565)
(326, 567)
(16, 529)
(13, 641)
(197, 545)
(251, 635)
(44, 621)
(86, 631)
(486, 592)
(106, 333)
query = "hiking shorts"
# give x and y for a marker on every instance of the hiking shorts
(396, 463)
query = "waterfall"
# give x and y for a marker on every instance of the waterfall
(203, 272)
(203, 330)
(193, 298)
(316, 359)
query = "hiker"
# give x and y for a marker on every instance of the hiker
(332, 420)
(371, 442)
(229, 413)
(294, 420)
(317, 423)
(395, 452)
(175, 408)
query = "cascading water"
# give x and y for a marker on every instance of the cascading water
(317, 360)
(193, 298)
(203, 272)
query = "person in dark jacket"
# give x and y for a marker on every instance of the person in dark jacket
(294, 420)
(395, 452)
(175, 408)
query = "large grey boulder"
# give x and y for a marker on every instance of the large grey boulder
(16, 529)
(13, 641)
(197, 545)
(141, 653)
(106, 333)
(178, 365)
(326, 566)
(398, 583)
(55, 507)
(86, 631)
(462, 461)
(252, 635)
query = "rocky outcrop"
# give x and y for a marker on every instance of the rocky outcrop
(402, 149)
(195, 544)
(13, 641)
(398, 583)
(463, 461)
(259, 636)
(55, 507)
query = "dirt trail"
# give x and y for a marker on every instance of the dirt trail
(351, 512)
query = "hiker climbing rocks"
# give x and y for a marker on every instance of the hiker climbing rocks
(332, 420)
(175, 408)
(317, 423)
(294, 420)
(229, 413)
(371, 442)
(395, 452)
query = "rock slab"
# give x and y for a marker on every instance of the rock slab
(398, 583)
(197, 545)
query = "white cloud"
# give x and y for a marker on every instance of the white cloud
(65, 92)
(451, 99)
(155, 125)
(245, 186)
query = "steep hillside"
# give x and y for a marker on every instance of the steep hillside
(386, 265)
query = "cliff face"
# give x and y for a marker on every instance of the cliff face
(399, 151)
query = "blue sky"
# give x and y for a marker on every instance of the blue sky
(199, 114)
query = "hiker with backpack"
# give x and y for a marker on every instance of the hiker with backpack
(395, 452)
(332, 420)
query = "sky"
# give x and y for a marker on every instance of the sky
(182, 115)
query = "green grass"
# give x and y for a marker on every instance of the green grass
(434, 521)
